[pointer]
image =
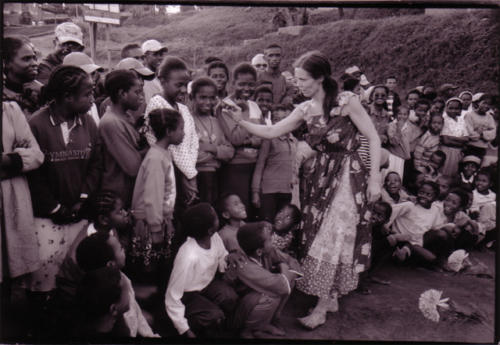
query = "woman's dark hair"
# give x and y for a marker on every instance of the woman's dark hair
(244, 68)
(162, 119)
(11, 45)
(169, 64)
(98, 291)
(94, 251)
(198, 219)
(463, 195)
(251, 237)
(201, 82)
(102, 204)
(218, 64)
(350, 84)
(63, 80)
(119, 80)
(317, 65)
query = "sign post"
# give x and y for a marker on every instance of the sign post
(108, 14)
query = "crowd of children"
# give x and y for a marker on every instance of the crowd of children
(138, 177)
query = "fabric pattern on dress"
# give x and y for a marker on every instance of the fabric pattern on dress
(336, 233)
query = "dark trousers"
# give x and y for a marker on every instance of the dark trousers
(271, 203)
(207, 186)
(237, 179)
(206, 310)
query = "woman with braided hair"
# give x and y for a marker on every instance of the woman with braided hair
(336, 242)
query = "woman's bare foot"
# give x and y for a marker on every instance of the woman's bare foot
(315, 319)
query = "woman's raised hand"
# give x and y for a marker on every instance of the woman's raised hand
(374, 189)
(230, 108)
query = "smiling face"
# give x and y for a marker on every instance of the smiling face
(466, 100)
(451, 204)
(307, 85)
(264, 100)
(175, 84)
(482, 183)
(412, 100)
(469, 169)
(454, 109)
(234, 208)
(24, 66)
(425, 196)
(402, 115)
(205, 100)
(244, 86)
(392, 183)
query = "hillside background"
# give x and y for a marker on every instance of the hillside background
(456, 45)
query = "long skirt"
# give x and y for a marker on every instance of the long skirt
(330, 266)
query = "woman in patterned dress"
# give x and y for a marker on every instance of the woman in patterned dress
(336, 243)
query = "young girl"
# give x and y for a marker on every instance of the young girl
(392, 193)
(214, 148)
(428, 143)
(264, 99)
(69, 175)
(219, 72)
(285, 229)
(197, 301)
(481, 125)
(232, 213)
(399, 134)
(454, 136)
(174, 77)
(155, 191)
(272, 178)
(412, 98)
(237, 174)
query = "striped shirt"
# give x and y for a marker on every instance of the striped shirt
(426, 146)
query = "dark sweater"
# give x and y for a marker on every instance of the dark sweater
(68, 170)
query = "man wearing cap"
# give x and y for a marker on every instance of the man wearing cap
(69, 38)
(154, 52)
(83, 61)
(355, 72)
(446, 91)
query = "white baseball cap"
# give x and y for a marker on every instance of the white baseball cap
(69, 32)
(152, 46)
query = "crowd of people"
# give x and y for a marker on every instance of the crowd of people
(222, 190)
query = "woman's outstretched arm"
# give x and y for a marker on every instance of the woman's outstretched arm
(287, 125)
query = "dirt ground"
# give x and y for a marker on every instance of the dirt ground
(389, 313)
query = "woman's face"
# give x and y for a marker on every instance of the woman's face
(379, 96)
(218, 74)
(412, 100)
(454, 109)
(308, 86)
(466, 101)
(244, 86)
(24, 65)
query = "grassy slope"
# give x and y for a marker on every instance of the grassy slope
(459, 47)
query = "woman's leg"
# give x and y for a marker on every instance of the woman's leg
(318, 315)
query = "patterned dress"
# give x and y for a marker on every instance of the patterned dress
(336, 241)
